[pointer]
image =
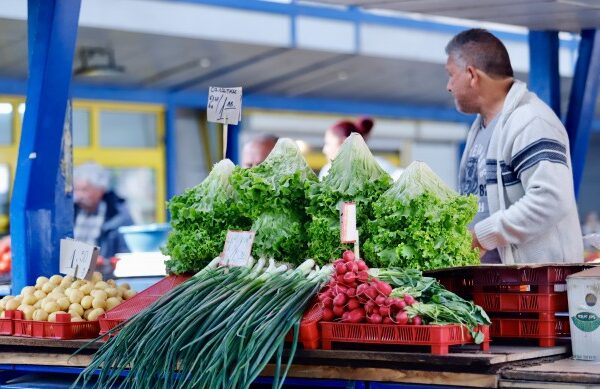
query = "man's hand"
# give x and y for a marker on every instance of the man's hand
(476, 245)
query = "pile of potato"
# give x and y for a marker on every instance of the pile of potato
(82, 299)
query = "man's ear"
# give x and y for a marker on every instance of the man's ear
(473, 75)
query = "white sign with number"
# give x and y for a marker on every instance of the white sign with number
(77, 259)
(349, 233)
(224, 105)
(238, 247)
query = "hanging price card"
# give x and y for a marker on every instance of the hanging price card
(238, 246)
(349, 233)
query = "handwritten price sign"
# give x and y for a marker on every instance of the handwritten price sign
(349, 233)
(224, 105)
(238, 246)
(77, 259)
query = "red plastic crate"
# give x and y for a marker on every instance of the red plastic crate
(438, 337)
(6, 323)
(545, 330)
(139, 302)
(309, 336)
(521, 302)
(541, 278)
(63, 328)
(458, 280)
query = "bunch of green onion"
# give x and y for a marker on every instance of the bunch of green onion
(217, 330)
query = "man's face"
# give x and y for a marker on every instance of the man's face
(86, 195)
(459, 84)
(253, 154)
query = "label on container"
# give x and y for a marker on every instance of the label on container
(586, 321)
(238, 247)
(224, 105)
(77, 259)
(348, 231)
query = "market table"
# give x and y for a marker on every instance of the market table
(336, 368)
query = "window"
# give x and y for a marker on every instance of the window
(6, 123)
(128, 129)
(81, 128)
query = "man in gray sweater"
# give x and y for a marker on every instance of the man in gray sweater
(516, 159)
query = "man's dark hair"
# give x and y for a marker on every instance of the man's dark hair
(480, 48)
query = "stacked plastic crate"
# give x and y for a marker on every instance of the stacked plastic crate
(525, 302)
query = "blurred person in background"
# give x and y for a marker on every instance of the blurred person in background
(99, 213)
(257, 149)
(337, 134)
(516, 159)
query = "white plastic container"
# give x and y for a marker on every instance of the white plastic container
(583, 290)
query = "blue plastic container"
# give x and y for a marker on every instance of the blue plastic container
(145, 238)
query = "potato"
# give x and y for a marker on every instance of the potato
(75, 296)
(112, 283)
(12, 304)
(27, 311)
(40, 281)
(47, 287)
(56, 295)
(74, 315)
(86, 289)
(95, 313)
(66, 281)
(63, 303)
(129, 294)
(51, 307)
(125, 285)
(40, 315)
(101, 285)
(52, 316)
(38, 305)
(76, 319)
(28, 290)
(98, 303)
(87, 313)
(99, 294)
(76, 308)
(96, 276)
(39, 294)
(56, 279)
(2, 316)
(86, 302)
(29, 299)
(112, 302)
(2, 305)
(112, 292)
(77, 284)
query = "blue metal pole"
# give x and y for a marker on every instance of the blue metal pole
(171, 148)
(544, 78)
(233, 143)
(42, 206)
(582, 102)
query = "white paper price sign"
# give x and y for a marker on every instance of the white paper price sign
(238, 246)
(77, 259)
(224, 105)
(349, 233)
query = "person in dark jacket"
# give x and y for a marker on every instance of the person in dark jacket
(99, 212)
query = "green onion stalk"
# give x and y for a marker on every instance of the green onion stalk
(217, 330)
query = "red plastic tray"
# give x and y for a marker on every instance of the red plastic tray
(6, 323)
(545, 330)
(63, 328)
(139, 302)
(521, 302)
(457, 280)
(309, 336)
(438, 337)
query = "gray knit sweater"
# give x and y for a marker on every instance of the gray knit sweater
(533, 214)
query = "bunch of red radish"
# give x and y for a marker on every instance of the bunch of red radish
(352, 296)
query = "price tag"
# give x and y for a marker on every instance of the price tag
(349, 233)
(77, 259)
(224, 105)
(238, 246)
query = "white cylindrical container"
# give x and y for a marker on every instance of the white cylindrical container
(583, 290)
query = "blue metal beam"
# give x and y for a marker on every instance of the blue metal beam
(582, 102)
(544, 78)
(233, 143)
(42, 206)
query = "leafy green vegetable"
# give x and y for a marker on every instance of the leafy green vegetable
(200, 218)
(420, 223)
(273, 194)
(354, 176)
